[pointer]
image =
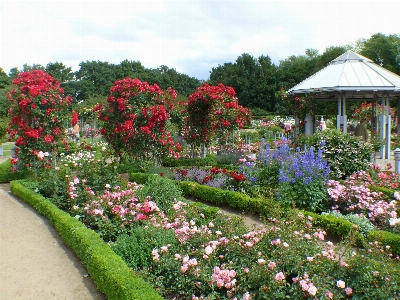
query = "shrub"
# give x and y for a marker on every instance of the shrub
(228, 158)
(161, 190)
(363, 224)
(346, 154)
(354, 196)
(209, 160)
(135, 248)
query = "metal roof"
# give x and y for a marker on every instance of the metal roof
(351, 73)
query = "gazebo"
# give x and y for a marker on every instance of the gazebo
(353, 77)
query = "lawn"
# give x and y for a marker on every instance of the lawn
(7, 148)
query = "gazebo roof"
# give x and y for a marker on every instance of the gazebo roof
(351, 74)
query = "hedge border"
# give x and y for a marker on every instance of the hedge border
(108, 271)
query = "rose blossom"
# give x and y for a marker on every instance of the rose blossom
(312, 290)
(348, 291)
(279, 276)
(341, 284)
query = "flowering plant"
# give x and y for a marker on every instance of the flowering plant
(364, 111)
(213, 111)
(298, 106)
(135, 117)
(354, 196)
(302, 180)
(37, 117)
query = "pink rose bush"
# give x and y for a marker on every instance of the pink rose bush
(354, 196)
(288, 258)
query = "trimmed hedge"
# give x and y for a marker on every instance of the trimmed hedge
(108, 271)
(386, 239)
(209, 160)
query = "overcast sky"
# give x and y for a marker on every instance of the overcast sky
(192, 36)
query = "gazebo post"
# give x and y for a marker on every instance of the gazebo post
(314, 116)
(383, 127)
(388, 126)
(344, 119)
(372, 118)
(398, 117)
(339, 116)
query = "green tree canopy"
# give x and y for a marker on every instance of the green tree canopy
(384, 50)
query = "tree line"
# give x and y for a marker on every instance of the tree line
(256, 80)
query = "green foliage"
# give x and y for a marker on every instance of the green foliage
(209, 160)
(135, 248)
(131, 165)
(386, 239)
(7, 175)
(364, 226)
(96, 168)
(334, 225)
(228, 158)
(345, 153)
(254, 80)
(383, 50)
(161, 190)
(311, 196)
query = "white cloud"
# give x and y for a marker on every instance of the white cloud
(192, 36)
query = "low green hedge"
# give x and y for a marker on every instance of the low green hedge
(386, 239)
(209, 160)
(108, 271)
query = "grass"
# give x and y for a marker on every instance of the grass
(7, 148)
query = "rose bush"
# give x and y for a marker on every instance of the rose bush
(213, 111)
(37, 118)
(135, 117)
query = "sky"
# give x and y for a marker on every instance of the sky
(191, 36)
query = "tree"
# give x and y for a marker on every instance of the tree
(295, 69)
(37, 117)
(254, 80)
(13, 73)
(4, 79)
(329, 54)
(94, 78)
(28, 68)
(59, 72)
(383, 50)
(134, 119)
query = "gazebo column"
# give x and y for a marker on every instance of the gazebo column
(388, 126)
(341, 121)
(339, 115)
(382, 127)
(398, 117)
(344, 118)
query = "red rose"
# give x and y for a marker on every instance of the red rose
(75, 118)
(32, 133)
(48, 139)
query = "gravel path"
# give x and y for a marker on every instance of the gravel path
(35, 263)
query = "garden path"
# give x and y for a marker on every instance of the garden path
(35, 263)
